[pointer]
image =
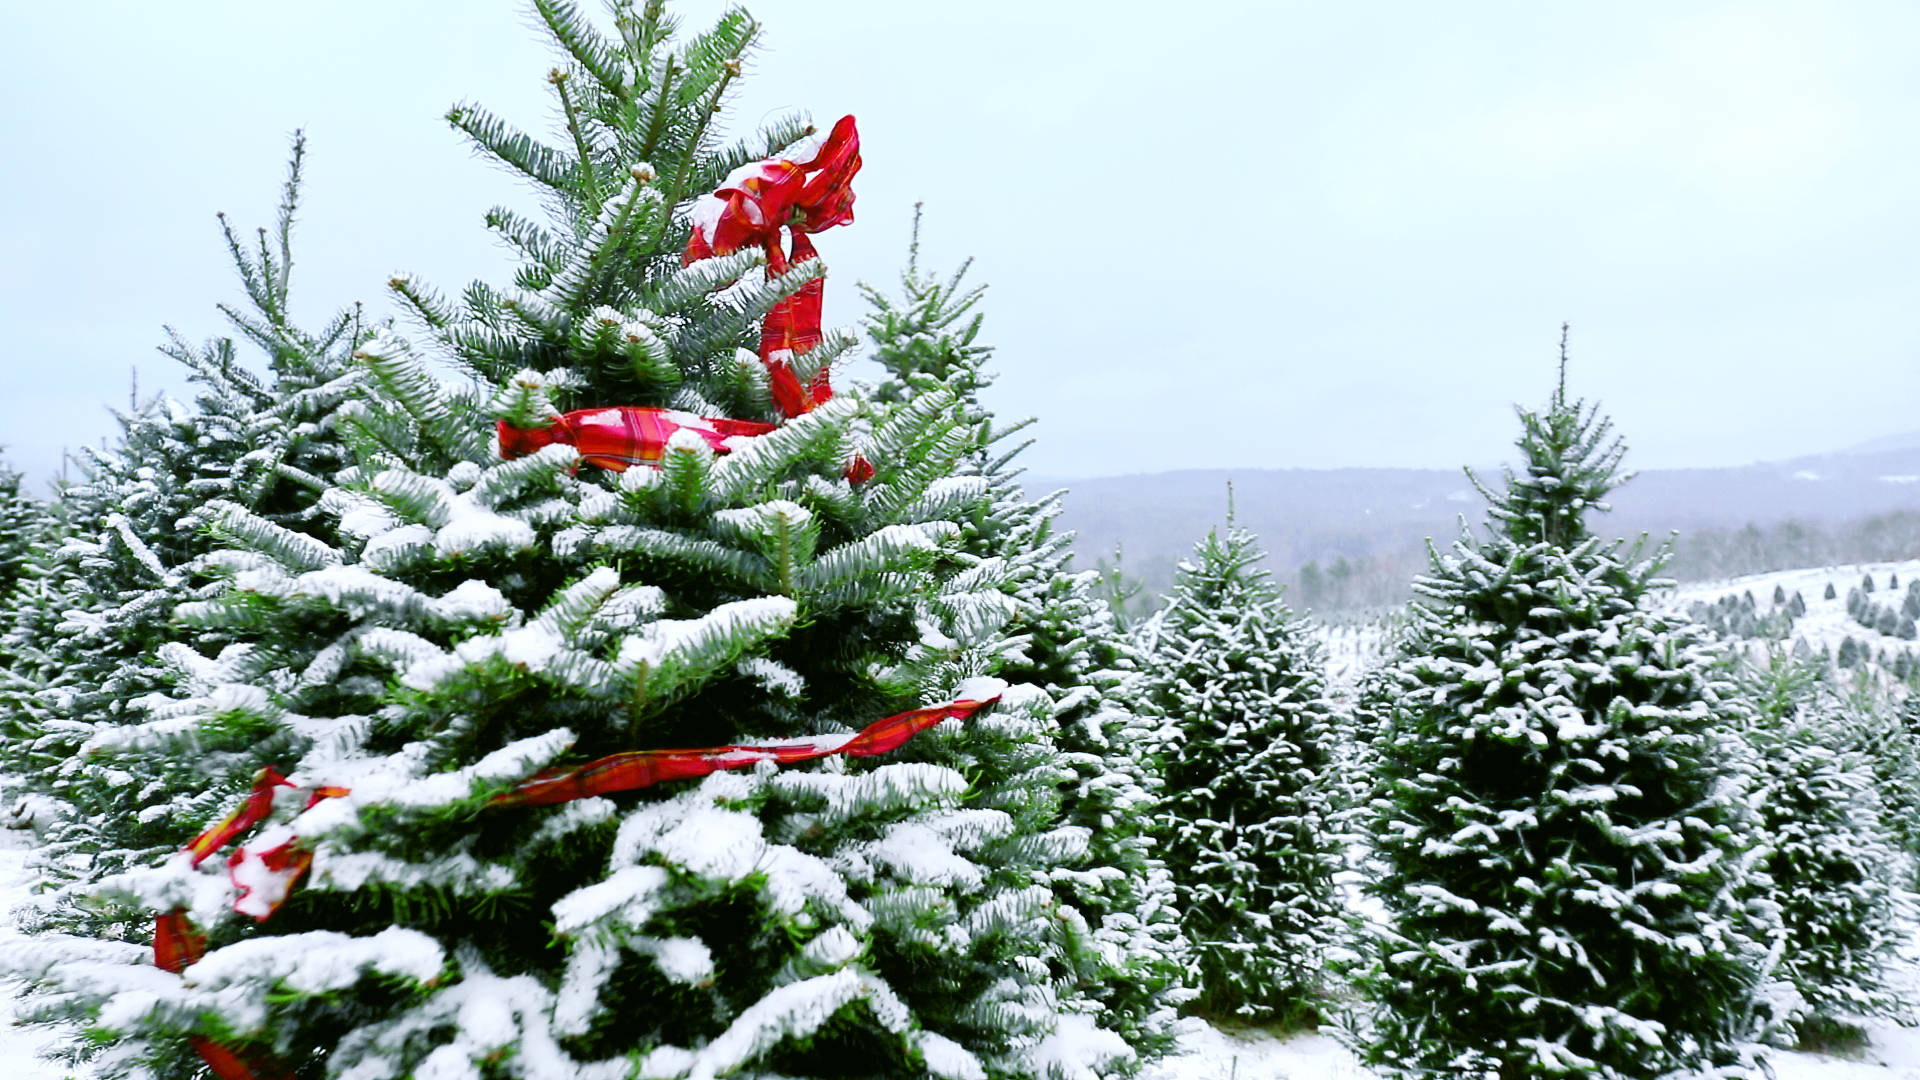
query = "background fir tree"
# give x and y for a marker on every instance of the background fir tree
(24, 524)
(1564, 851)
(1831, 867)
(1246, 826)
(452, 624)
(1071, 645)
(96, 636)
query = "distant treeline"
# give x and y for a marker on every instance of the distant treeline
(1348, 583)
(1752, 549)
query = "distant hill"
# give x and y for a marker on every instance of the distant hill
(1369, 515)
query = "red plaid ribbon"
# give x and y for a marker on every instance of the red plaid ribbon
(262, 888)
(619, 437)
(644, 768)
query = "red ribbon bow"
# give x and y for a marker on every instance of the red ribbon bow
(750, 207)
(759, 198)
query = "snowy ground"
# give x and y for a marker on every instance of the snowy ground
(1826, 622)
(19, 1047)
(1209, 1054)
(1350, 649)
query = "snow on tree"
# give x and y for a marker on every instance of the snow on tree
(1074, 648)
(94, 636)
(1558, 818)
(1246, 825)
(474, 864)
(24, 523)
(1831, 866)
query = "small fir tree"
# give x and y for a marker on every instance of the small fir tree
(1071, 644)
(1831, 866)
(1558, 816)
(25, 523)
(1247, 825)
(96, 636)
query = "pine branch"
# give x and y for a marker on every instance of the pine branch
(588, 48)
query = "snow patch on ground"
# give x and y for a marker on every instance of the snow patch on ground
(20, 1047)
(1826, 623)
(1207, 1053)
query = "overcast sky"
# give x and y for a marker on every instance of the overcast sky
(1215, 233)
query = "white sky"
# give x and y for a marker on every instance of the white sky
(1216, 233)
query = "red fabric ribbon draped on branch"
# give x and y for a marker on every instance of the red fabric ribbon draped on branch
(264, 878)
(265, 870)
(618, 437)
(644, 768)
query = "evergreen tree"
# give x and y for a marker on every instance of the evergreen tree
(1564, 850)
(25, 523)
(1831, 867)
(1849, 652)
(95, 638)
(1829, 594)
(452, 627)
(1071, 645)
(1247, 825)
(1866, 583)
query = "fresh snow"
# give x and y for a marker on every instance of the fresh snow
(20, 1047)
(1207, 1053)
(1202, 1053)
(1826, 622)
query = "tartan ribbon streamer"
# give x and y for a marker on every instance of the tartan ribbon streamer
(792, 328)
(264, 873)
(618, 437)
(248, 814)
(265, 877)
(644, 768)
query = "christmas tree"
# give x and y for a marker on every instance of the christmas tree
(1246, 826)
(1564, 850)
(643, 520)
(1071, 645)
(93, 636)
(24, 525)
(1831, 867)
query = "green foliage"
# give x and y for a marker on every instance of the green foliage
(446, 625)
(95, 637)
(1831, 866)
(1557, 819)
(1067, 641)
(1246, 825)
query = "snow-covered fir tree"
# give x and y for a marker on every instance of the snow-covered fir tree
(1246, 821)
(1831, 867)
(927, 338)
(24, 525)
(95, 634)
(1887, 736)
(457, 662)
(1564, 852)
(29, 531)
